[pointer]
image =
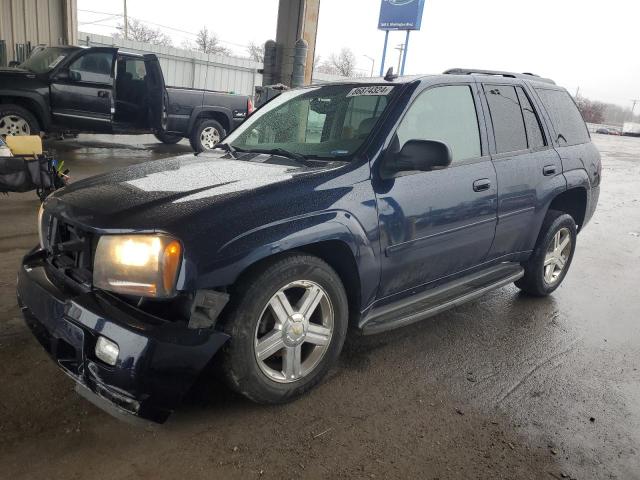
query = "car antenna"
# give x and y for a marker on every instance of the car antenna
(390, 76)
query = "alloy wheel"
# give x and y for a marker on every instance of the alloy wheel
(209, 137)
(557, 256)
(12, 125)
(294, 331)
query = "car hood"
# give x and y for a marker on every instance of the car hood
(159, 194)
(15, 72)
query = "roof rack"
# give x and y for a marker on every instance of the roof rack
(476, 71)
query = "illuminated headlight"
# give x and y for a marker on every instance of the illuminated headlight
(107, 351)
(141, 265)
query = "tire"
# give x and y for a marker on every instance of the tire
(198, 135)
(16, 120)
(167, 138)
(540, 280)
(278, 377)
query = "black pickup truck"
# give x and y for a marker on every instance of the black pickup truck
(105, 90)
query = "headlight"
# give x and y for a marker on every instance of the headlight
(144, 265)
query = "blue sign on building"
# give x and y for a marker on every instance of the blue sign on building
(401, 14)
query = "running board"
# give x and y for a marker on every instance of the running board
(439, 299)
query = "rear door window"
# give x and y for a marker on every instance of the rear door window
(566, 118)
(506, 117)
(446, 114)
(136, 68)
(535, 138)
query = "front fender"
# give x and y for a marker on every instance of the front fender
(246, 249)
(42, 109)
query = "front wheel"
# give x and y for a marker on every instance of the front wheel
(549, 263)
(15, 120)
(287, 325)
(206, 134)
(167, 138)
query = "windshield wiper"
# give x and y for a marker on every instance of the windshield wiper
(286, 153)
(227, 147)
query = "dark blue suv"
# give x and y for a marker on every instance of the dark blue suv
(365, 205)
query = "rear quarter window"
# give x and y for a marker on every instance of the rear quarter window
(566, 118)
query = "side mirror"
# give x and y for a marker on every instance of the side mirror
(419, 155)
(62, 74)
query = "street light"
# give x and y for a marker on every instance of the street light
(373, 62)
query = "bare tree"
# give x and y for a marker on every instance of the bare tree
(256, 52)
(140, 32)
(617, 115)
(210, 43)
(592, 112)
(344, 62)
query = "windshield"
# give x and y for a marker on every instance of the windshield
(330, 121)
(45, 59)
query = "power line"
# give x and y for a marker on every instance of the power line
(164, 26)
(101, 13)
(95, 22)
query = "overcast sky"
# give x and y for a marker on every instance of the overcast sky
(588, 44)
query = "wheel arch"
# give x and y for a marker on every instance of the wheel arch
(337, 254)
(573, 202)
(33, 104)
(339, 244)
(219, 114)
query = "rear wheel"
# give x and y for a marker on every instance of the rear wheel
(287, 328)
(167, 138)
(16, 120)
(206, 135)
(546, 268)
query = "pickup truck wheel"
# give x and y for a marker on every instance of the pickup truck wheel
(15, 120)
(206, 134)
(549, 263)
(287, 325)
(167, 138)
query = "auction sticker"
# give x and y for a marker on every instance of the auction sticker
(370, 90)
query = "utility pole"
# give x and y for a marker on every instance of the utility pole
(400, 47)
(373, 62)
(126, 22)
(633, 107)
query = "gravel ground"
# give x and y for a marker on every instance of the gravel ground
(504, 387)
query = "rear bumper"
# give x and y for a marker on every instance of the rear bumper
(157, 362)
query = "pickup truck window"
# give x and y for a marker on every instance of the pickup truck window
(329, 122)
(446, 114)
(94, 67)
(135, 68)
(45, 59)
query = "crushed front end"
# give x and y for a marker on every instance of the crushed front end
(123, 356)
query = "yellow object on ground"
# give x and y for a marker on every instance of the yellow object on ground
(25, 144)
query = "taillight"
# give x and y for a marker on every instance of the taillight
(250, 107)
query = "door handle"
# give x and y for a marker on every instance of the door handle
(103, 93)
(548, 170)
(481, 185)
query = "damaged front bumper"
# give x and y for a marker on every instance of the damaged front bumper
(158, 361)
